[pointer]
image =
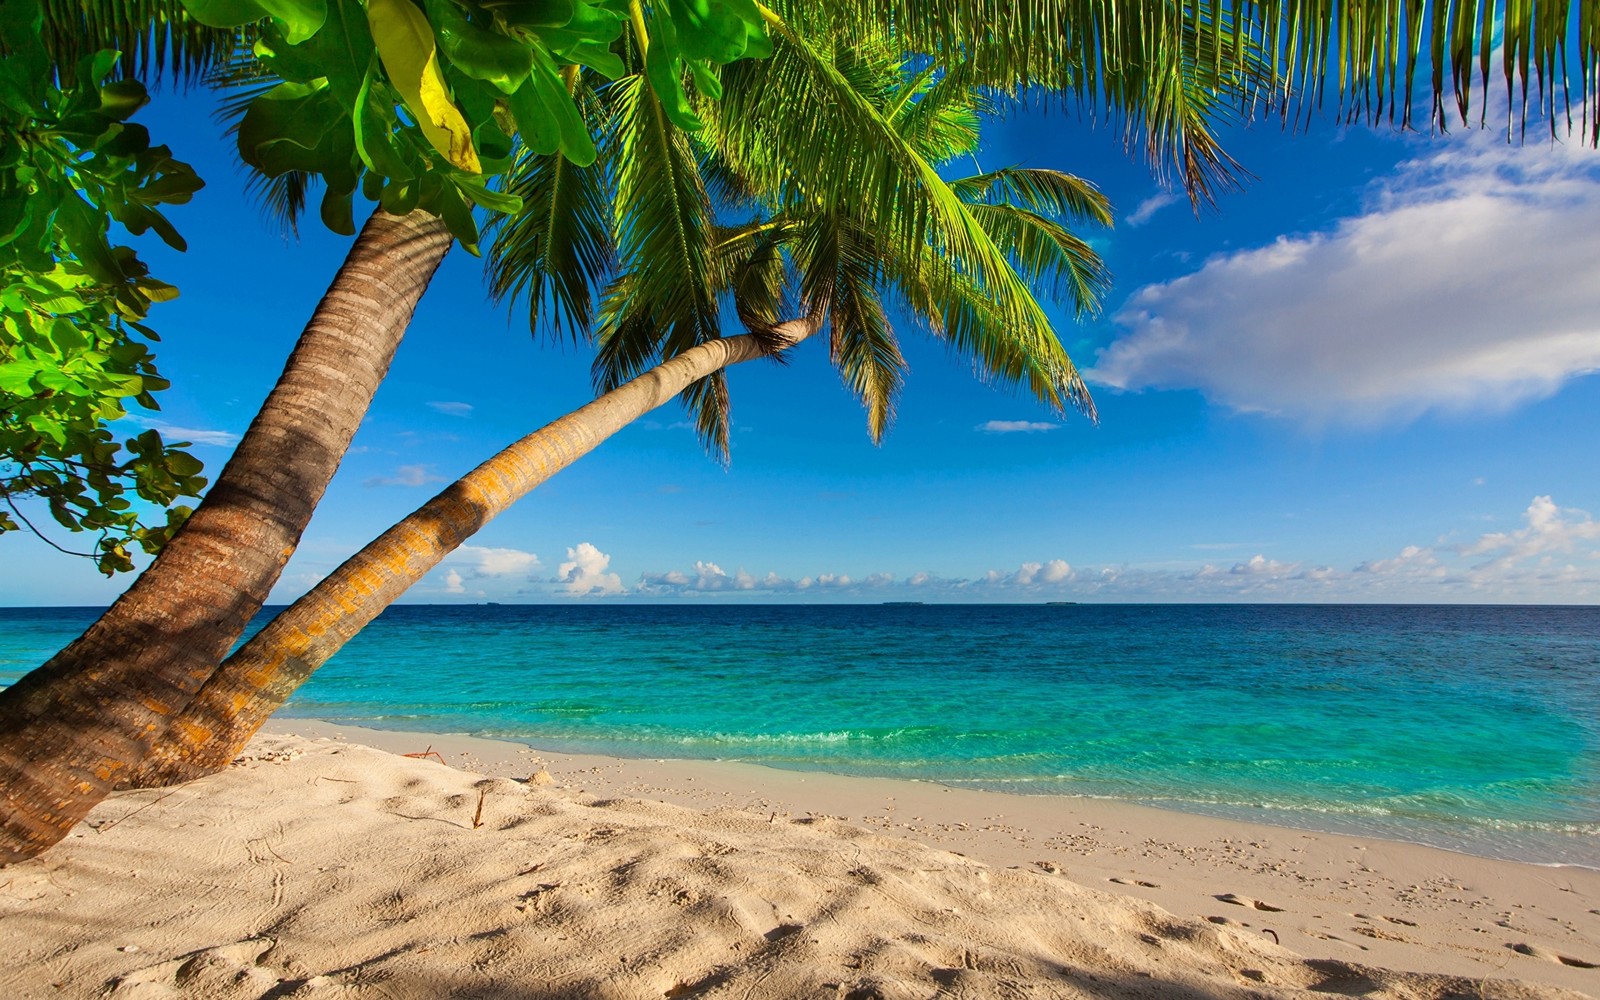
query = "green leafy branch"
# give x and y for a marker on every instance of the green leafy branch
(73, 351)
(419, 106)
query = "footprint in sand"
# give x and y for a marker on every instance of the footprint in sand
(1133, 881)
(1254, 904)
(1393, 920)
(1534, 951)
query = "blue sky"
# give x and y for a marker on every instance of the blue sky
(1368, 376)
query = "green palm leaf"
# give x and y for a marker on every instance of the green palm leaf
(154, 36)
(1154, 62)
(662, 217)
(1048, 254)
(863, 346)
(960, 312)
(558, 249)
(844, 152)
(1050, 191)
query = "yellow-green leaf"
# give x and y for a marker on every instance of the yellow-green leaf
(405, 45)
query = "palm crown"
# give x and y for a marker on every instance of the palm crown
(814, 189)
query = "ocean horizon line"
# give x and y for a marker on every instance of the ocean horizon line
(710, 600)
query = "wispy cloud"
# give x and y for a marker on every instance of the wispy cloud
(406, 475)
(1149, 207)
(453, 409)
(170, 432)
(1015, 426)
(1445, 293)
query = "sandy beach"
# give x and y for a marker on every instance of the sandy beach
(325, 864)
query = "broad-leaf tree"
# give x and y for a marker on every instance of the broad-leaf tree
(74, 348)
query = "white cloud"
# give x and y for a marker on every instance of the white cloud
(1549, 529)
(1150, 206)
(1454, 290)
(170, 433)
(709, 578)
(453, 583)
(405, 475)
(1015, 427)
(1553, 558)
(452, 408)
(1260, 565)
(1413, 561)
(584, 572)
(482, 561)
(1029, 575)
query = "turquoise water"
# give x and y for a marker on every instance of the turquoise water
(1475, 728)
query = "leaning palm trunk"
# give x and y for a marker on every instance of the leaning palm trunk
(253, 682)
(74, 728)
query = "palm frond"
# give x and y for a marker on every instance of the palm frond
(627, 336)
(1146, 63)
(558, 249)
(1134, 57)
(944, 121)
(282, 198)
(863, 346)
(157, 38)
(1049, 191)
(662, 222)
(843, 152)
(959, 312)
(1047, 253)
(748, 264)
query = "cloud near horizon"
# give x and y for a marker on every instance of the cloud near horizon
(1523, 566)
(584, 573)
(1454, 290)
(1553, 557)
(479, 563)
(483, 561)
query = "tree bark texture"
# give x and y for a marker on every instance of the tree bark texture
(71, 730)
(258, 678)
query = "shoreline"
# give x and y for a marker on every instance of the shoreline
(1329, 823)
(1326, 896)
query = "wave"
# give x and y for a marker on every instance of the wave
(824, 738)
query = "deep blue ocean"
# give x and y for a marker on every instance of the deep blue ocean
(1474, 728)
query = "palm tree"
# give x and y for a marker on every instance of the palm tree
(964, 258)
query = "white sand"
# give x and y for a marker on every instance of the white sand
(325, 869)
